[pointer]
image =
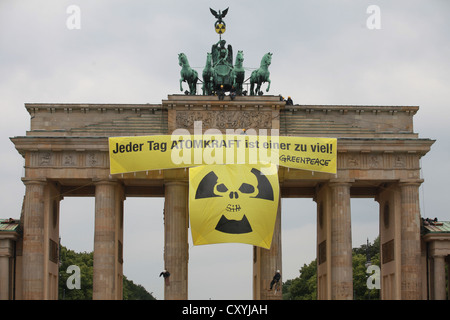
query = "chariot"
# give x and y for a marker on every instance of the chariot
(219, 74)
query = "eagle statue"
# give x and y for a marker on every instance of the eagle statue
(219, 16)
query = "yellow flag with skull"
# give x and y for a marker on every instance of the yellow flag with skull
(233, 203)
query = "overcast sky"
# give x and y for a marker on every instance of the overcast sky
(324, 52)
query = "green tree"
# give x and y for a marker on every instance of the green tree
(304, 287)
(364, 256)
(85, 261)
(132, 291)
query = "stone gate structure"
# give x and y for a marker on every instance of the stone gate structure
(66, 154)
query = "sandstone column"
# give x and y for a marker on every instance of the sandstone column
(341, 242)
(323, 252)
(5, 255)
(448, 268)
(104, 275)
(439, 277)
(410, 240)
(389, 199)
(176, 240)
(33, 260)
(267, 262)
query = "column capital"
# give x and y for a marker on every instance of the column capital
(340, 182)
(175, 182)
(410, 182)
(7, 248)
(39, 181)
(9, 235)
(98, 181)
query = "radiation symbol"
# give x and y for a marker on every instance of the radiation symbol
(220, 27)
(233, 203)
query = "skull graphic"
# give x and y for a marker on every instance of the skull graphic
(252, 186)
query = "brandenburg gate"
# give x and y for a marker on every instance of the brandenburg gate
(66, 155)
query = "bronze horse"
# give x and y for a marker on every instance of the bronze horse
(188, 74)
(261, 75)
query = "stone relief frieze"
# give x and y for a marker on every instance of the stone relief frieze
(399, 161)
(45, 159)
(68, 159)
(377, 161)
(91, 160)
(352, 161)
(224, 119)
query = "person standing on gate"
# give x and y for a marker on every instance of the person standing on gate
(289, 101)
(221, 92)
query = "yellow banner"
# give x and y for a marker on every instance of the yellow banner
(142, 153)
(233, 203)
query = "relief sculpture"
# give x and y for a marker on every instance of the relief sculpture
(225, 120)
